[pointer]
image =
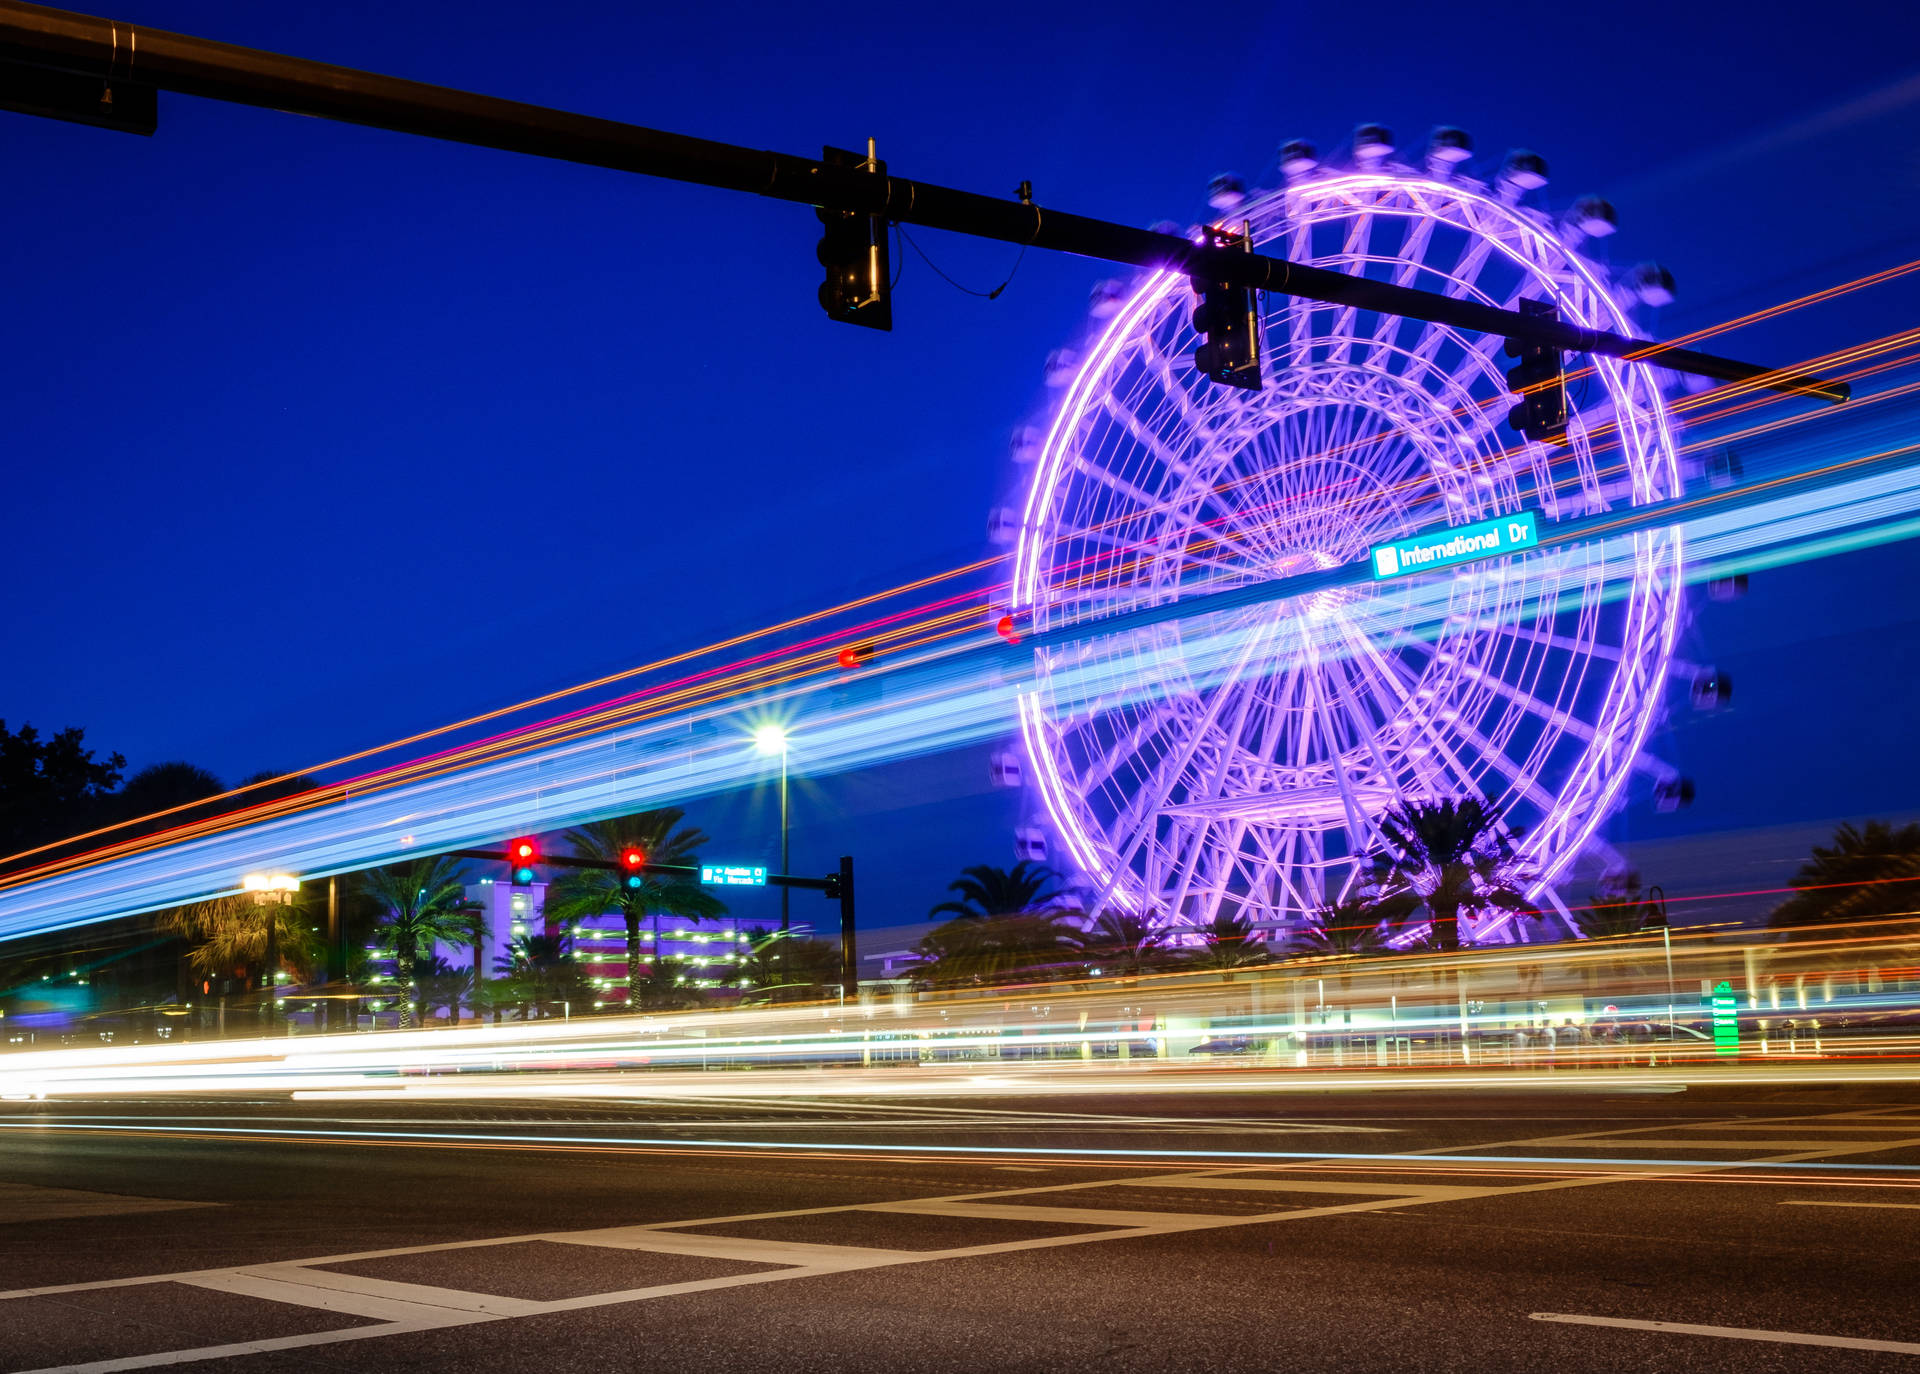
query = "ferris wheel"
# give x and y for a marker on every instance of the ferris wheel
(1240, 761)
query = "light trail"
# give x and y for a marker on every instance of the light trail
(1826, 1007)
(959, 685)
(1572, 1166)
(781, 671)
(328, 793)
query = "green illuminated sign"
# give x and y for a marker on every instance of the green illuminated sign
(1458, 544)
(1726, 1019)
(733, 875)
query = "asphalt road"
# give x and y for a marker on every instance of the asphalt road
(1357, 1231)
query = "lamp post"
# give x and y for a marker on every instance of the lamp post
(1657, 899)
(271, 890)
(769, 740)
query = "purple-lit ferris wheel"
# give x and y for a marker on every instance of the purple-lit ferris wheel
(1243, 764)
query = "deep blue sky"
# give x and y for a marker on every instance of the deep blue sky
(319, 435)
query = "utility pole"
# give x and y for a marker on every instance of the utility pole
(336, 948)
(849, 970)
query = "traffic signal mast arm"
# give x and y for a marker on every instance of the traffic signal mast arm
(688, 872)
(35, 39)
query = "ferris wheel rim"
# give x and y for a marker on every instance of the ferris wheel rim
(1150, 299)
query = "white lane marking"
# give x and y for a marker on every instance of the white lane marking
(30, 1202)
(225, 1352)
(1088, 1216)
(1284, 1184)
(1018, 1169)
(423, 1298)
(1620, 1173)
(1906, 1124)
(1733, 1333)
(380, 1308)
(1898, 1206)
(739, 1248)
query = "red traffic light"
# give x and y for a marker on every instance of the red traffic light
(854, 655)
(1007, 628)
(634, 859)
(523, 851)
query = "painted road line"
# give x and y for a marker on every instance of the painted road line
(1895, 1206)
(379, 1307)
(1282, 1183)
(1021, 1211)
(1732, 1333)
(29, 1202)
(737, 1248)
(416, 1301)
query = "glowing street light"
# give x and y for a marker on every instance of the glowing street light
(270, 890)
(770, 739)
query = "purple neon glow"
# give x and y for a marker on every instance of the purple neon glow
(1131, 433)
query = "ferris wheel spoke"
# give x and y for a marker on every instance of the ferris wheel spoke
(1128, 746)
(1395, 697)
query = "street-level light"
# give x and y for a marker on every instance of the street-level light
(270, 890)
(771, 739)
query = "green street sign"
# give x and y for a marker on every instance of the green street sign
(733, 875)
(1457, 544)
(1726, 1019)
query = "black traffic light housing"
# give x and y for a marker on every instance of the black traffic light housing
(633, 863)
(1540, 381)
(853, 249)
(1227, 322)
(522, 855)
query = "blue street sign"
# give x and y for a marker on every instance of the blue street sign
(733, 875)
(1459, 544)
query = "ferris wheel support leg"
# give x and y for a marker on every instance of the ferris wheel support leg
(1555, 901)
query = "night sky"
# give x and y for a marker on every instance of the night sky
(319, 435)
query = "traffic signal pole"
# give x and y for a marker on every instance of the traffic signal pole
(36, 41)
(837, 886)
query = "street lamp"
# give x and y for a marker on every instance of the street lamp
(271, 890)
(771, 739)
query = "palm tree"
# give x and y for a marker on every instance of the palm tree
(1454, 856)
(579, 893)
(1870, 873)
(423, 901)
(441, 984)
(1125, 940)
(1349, 927)
(241, 936)
(540, 971)
(667, 985)
(1229, 942)
(988, 891)
(976, 949)
(777, 962)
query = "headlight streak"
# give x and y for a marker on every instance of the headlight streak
(1639, 1170)
(943, 682)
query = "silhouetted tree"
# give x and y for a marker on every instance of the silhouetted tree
(50, 787)
(1454, 856)
(1868, 873)
(422, 901)
(988, 891)
(580, 893)
(1127, 942)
